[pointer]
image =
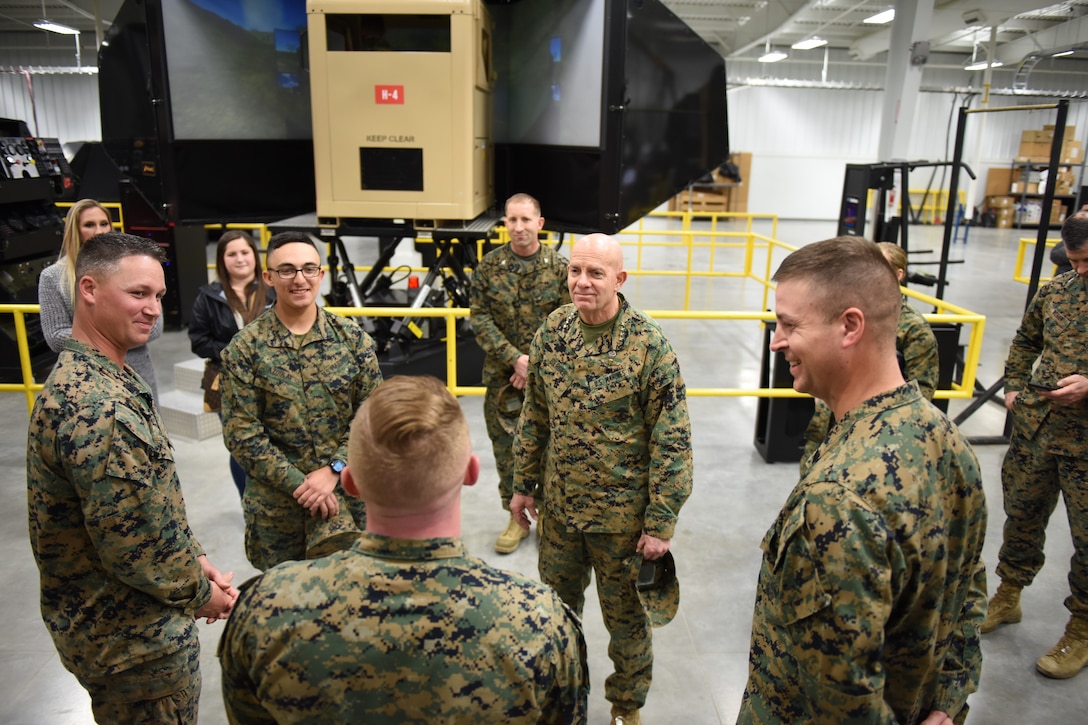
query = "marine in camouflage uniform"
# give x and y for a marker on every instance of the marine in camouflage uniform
(1048, 452)
(288, 401)
(605, 433)
(122, 576)
(918, 359)
(401, 631)
(511, 296)
(872, 586)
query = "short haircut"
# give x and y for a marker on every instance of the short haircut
(847, 272)
(522, 199)
(409, 444)
(285, 238)
(895, 255)
(1075, 231)
(101, 255)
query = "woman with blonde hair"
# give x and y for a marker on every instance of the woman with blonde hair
(57, 285)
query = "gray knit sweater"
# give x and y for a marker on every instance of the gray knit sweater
(56, 317)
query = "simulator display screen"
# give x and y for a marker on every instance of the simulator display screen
(550, 59)
(236, 69)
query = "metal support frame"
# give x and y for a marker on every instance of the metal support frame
(1062, 108)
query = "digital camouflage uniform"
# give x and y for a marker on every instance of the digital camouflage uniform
(918, 360)
(288, 405)
(1048, 448)
(401, 631)
(605, 429)
(511, 297)
(872, 587)
(120, 579)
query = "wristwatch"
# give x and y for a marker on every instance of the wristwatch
(337, 466)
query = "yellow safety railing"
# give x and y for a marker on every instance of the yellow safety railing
(262, 235)
(28, 386)
(929, 206)
(1022, 254)
(117, 216)
(711, 238)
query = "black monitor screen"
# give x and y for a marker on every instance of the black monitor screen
(550, 59)
(236, 69)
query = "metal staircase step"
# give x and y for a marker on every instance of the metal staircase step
(183, 413)
(188, 374)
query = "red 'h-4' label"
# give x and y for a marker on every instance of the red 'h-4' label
(389, 94)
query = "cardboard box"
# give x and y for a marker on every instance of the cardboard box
(1070, 131)
(998, 181)
(1000, 202)
(1033, 151)
(1003, 218)
(1072, 152)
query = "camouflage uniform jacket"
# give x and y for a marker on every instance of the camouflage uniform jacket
(914, 340)
(402, 631)
(613, 419)
(288, 406)
(872, 586)
(510, 299)
(120, 580)
(1054, 331)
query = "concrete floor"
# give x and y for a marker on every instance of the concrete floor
(701, 657)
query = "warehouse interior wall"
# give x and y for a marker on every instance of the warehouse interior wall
(800, 137)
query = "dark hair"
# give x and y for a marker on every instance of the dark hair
(257, 295)
(1075, 231)
(847, 272)
(101, 254)
(285, 238)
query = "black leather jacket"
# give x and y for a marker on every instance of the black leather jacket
(213, 322)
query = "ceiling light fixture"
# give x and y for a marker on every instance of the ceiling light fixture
(981, 65)
(55, 27)
(881, 18)
(773, 56)
(1063, 53)
(809, 44)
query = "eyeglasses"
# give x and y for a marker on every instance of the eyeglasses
(310, 271)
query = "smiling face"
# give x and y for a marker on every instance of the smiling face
(239, 261)
(594, 278)
(298, 293)
(125, 305)
(523, 224)
(92, 222)
(807, 339)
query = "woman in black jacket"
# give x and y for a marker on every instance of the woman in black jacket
(222, 308)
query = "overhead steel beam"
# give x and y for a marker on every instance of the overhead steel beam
(948, 19)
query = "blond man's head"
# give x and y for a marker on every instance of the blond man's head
(409, 446)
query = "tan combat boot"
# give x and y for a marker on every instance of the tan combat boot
(1070, 655)
(510, 539)
(1004, 607)
(625, 717)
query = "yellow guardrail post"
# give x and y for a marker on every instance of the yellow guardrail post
(1021, 255)
(945, 311)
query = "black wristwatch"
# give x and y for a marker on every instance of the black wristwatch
(337, 466)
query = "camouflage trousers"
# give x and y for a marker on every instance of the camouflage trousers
(502, 408)
(279, 529)
(163, 691)
(1031, 481)
(566, 558)
(819, 425)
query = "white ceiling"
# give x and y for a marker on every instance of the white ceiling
(736, 28)
(743, 28)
